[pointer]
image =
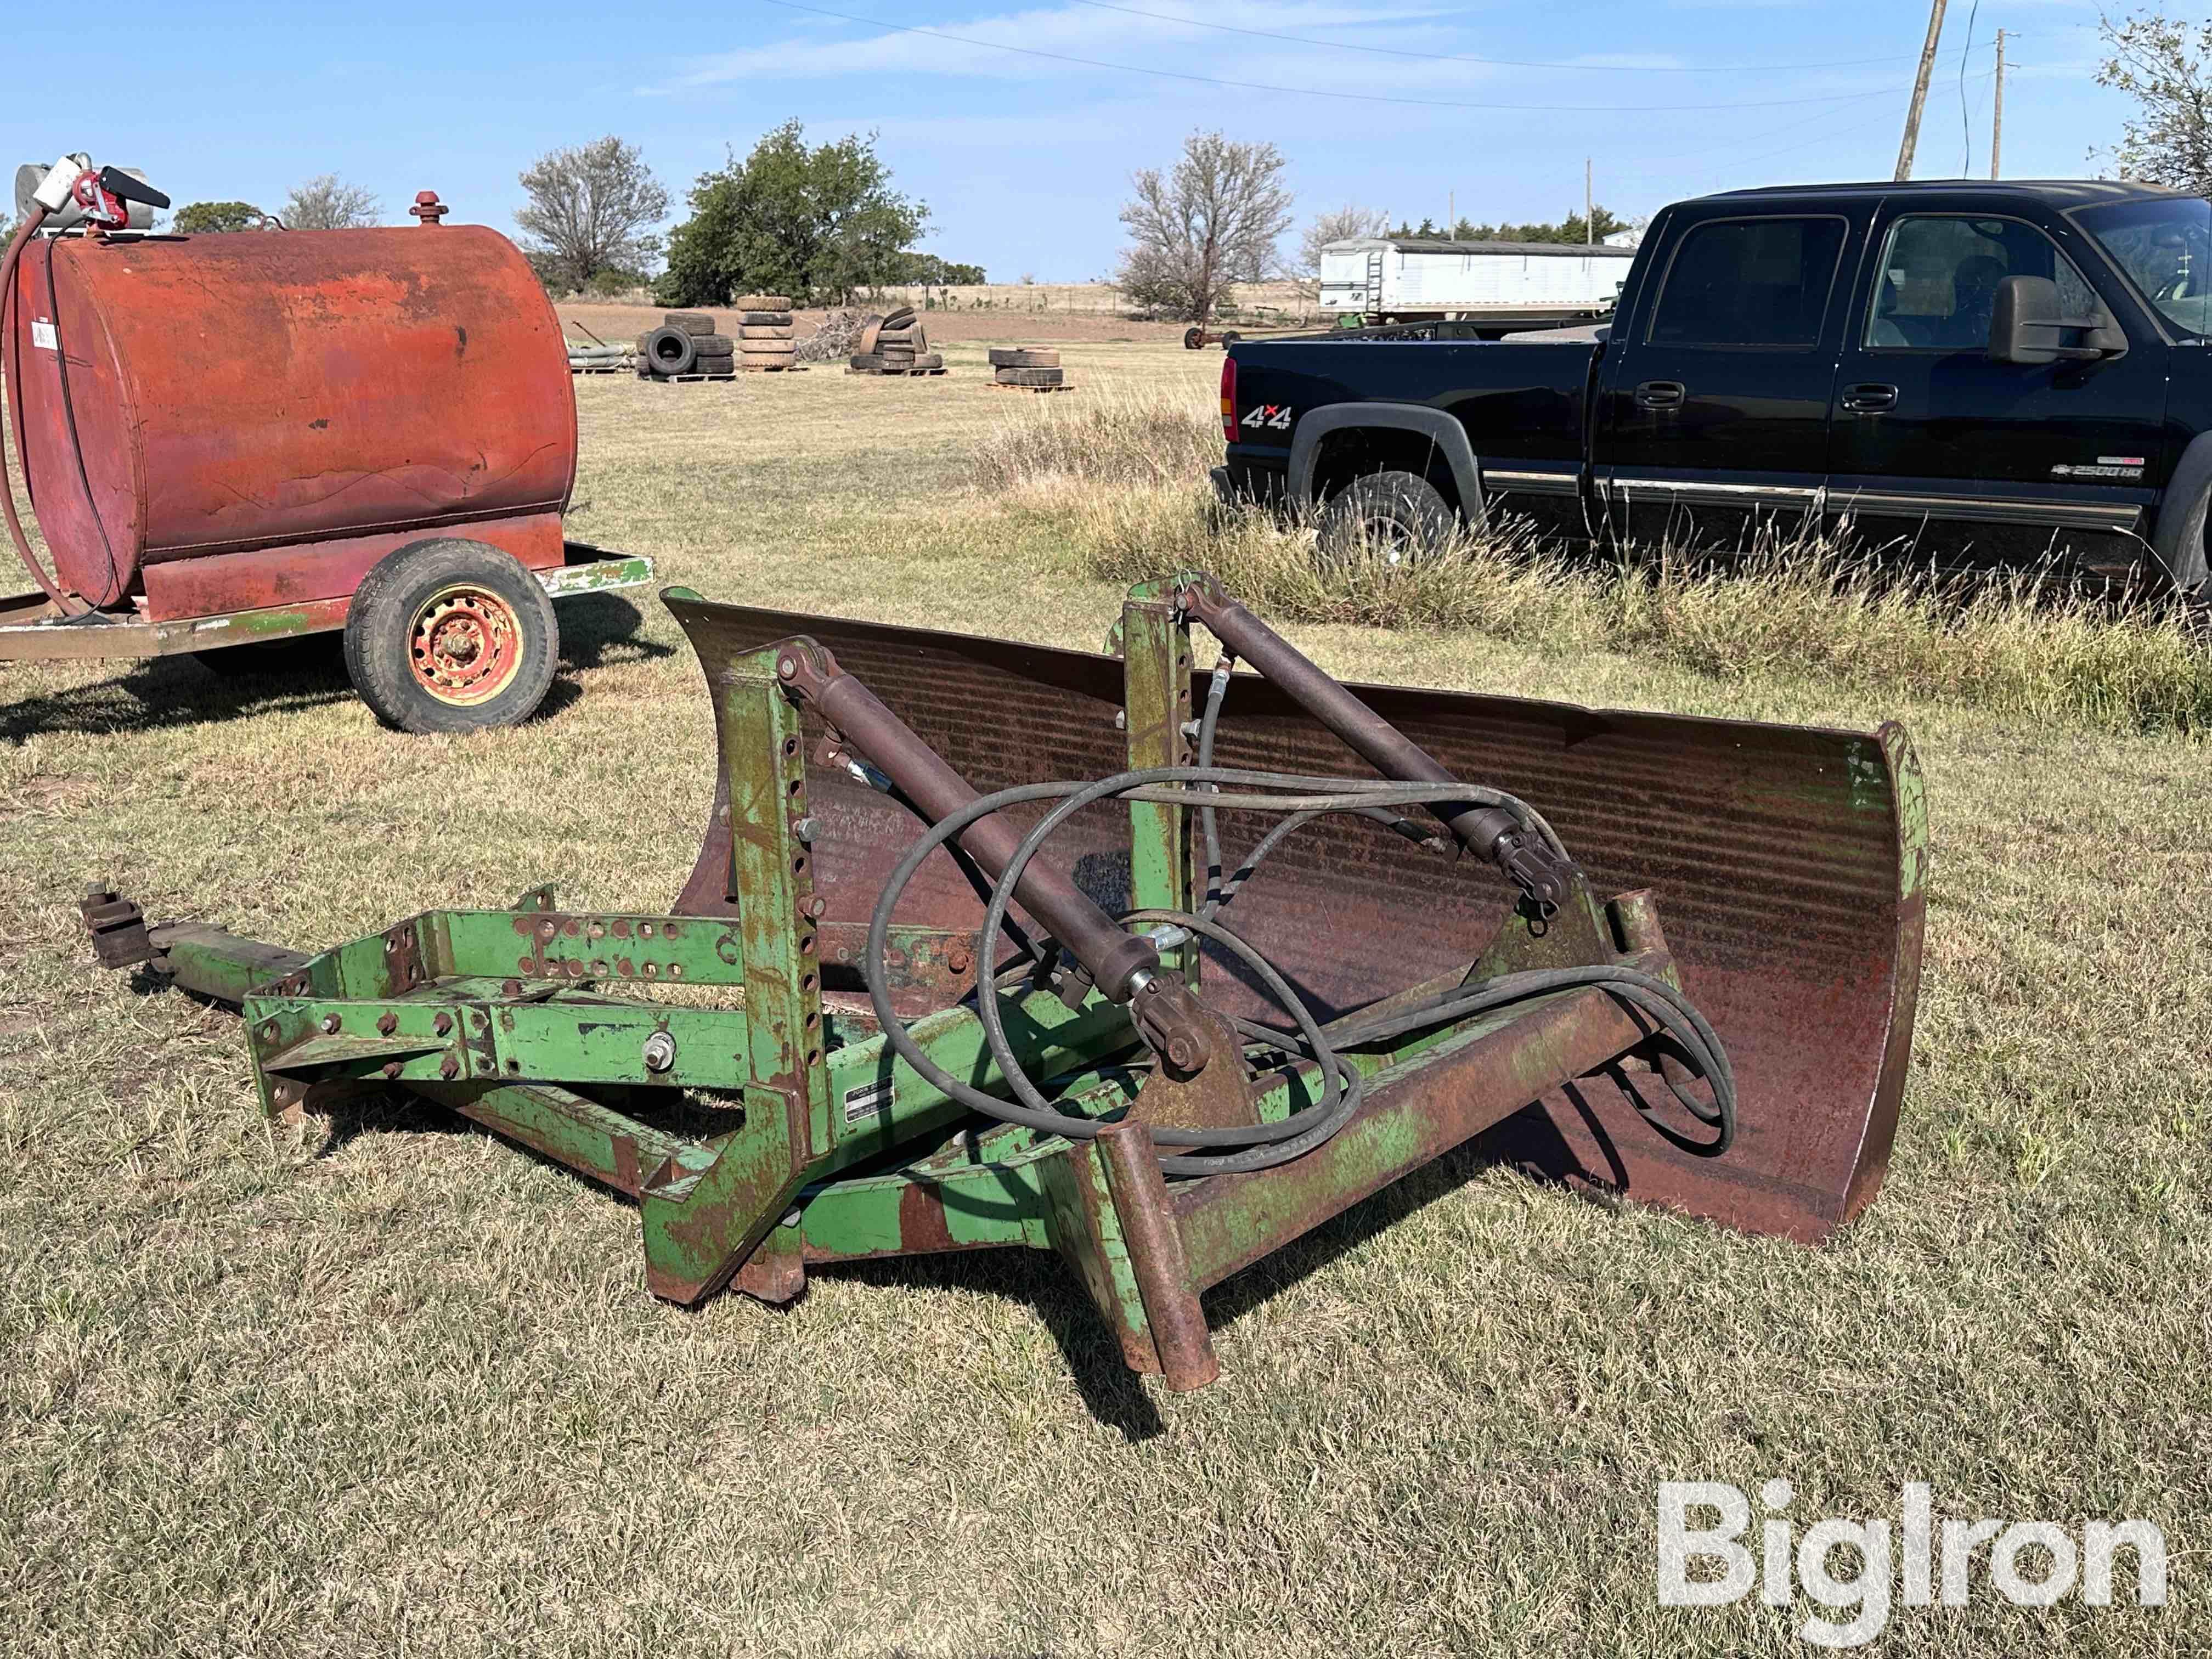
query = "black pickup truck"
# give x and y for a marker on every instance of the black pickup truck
(1977, 373)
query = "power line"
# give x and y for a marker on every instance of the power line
(1748, 140)
(1507, 62)
(1317, 92)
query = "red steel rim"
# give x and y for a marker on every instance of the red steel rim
(465, 645)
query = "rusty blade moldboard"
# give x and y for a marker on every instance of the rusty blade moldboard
(1789, 864)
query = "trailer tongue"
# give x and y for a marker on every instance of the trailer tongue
(982, 1008)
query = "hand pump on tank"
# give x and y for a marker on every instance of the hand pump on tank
(103, 195)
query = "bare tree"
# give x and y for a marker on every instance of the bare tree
(2166, 66)
(1212, 220)
(589, 211)
(1344, 224)
(328, 203)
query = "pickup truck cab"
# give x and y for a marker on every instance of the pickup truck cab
(1979, 373)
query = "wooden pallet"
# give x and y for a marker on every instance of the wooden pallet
(1003, 385)
(738, 374)
(601, 369)
(912, 374)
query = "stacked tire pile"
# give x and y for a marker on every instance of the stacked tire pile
(895, 344)
(1027, 368)
(765, 342)
(685, 347)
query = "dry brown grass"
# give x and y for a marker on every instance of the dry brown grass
(1117, 473)
(398, 1388)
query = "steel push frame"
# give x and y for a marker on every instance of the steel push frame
(838, 1150)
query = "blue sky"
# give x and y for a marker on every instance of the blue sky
(1024, 160)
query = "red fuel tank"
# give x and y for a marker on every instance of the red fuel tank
(220, 423)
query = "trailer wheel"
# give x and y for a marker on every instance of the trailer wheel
(450, 635)
(1393, 517)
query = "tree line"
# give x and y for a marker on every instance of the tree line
(823, 223)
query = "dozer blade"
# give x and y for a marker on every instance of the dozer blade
(1787, 863)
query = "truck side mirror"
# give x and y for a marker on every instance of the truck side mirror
(2026, 327)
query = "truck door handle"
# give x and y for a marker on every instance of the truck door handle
(1870, 399)
(1660, 394)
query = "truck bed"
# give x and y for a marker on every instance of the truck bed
(1530, 399)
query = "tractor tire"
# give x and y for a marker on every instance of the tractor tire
(713, 345)
(1028, 376)
(691, 322)
(766, 347)
(669, 351)
(928, 360)
(900, 317)
(1024, 357)
(762, 303)
(763, 331)
(451, 636)
(865, 363)
(713, 365)
(763, 320)
(870, 328)
(1398, 518)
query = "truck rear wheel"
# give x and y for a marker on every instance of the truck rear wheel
(451, 636)
(1395, 518)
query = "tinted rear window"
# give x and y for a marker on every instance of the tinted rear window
(1749, 283)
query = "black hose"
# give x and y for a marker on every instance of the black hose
(1277, 1142)
(1265, 1145)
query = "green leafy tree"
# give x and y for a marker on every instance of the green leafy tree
(1569, 229)
(218, 218)
(929, 270)
(817, 224)
(2166, 66)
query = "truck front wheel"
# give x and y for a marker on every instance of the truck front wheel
(1396, 518)
(451, 636)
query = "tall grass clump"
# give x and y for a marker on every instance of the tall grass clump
(1115, 477)
(1113, 438)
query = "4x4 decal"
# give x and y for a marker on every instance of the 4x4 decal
(1277, 416)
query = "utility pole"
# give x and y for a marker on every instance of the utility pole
(1590, 215)
(1997, 111)
(1920, 92)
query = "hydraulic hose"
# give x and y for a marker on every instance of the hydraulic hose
(1263, 1145)
(13, 382)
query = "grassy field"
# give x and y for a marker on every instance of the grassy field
(396, 1388)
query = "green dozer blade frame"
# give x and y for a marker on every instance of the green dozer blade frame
(776, 1132)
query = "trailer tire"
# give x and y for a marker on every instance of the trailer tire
(1397, 517)
(451, 636)
(691, 322)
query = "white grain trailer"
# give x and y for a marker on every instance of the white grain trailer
(1511, 285)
